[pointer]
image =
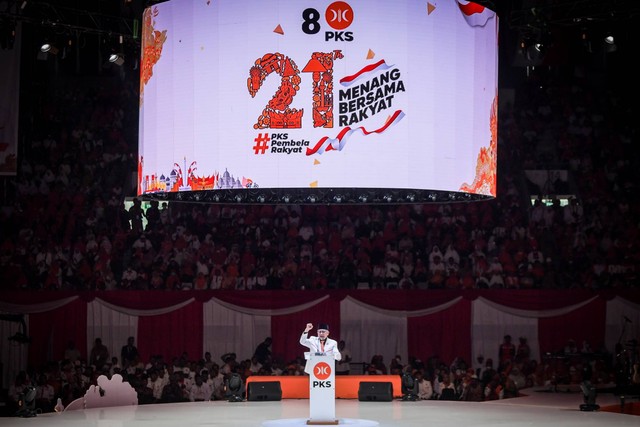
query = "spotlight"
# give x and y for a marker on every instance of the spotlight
(234, 388)
(411, 197)
(388, 198)
(610, 43)
(261, 198)
(312, 198)
(363, 198)
(48, 48)
(337, 198)
(238, 198)
(116, 58)
(409, 388)
(286, 198)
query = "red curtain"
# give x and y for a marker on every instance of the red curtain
(172, 333)
(50, 332)
(586, 323)
(446, 333)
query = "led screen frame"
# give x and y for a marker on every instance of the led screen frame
(318, 101)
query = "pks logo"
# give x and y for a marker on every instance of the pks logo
(322, 371)
(339, 15)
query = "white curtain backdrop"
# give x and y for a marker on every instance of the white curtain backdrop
(491, 322)
(110, 325)
(368, 330)
(623, 322)
(231, 329)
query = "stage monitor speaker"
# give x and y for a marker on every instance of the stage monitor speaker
(264, 391)
(369, 391)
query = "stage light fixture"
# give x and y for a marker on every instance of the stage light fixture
(116, 58)
(588, 390)
(234, 388)
(409, 387)
(47, 47)
(589, 394)
(609, 39)
(27, 403)
(610, 42)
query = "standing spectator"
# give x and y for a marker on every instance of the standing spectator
(99, 354)
(343, 367)
(506, 353)
(523, 351)
(129, 354)
(136, 215)
(263, 351)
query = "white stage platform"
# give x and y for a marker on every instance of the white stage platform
(537, 409)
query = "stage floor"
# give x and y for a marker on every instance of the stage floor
(536, 409)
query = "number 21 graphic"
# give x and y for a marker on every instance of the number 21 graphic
(278, 114)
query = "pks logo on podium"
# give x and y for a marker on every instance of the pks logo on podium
(321, 371)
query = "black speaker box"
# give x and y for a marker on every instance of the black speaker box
(263, 391)
(375, 391)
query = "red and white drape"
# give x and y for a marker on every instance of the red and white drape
(389, 322)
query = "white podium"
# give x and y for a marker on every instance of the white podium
(322, 390)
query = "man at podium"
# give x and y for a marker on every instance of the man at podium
(320, 344)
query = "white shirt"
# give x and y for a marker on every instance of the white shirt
(329, 347)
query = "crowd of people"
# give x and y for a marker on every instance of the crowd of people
(184, 379)
(65, 224)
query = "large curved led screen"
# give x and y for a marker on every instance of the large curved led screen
(304, 94)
